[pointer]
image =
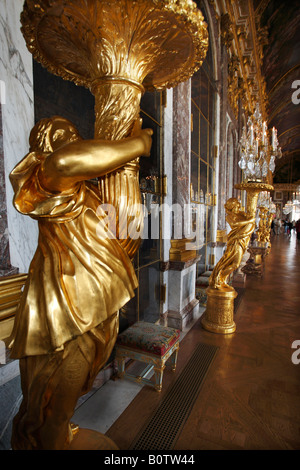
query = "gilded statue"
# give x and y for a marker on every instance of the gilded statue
(268, 231)
(242, 225)
(67, 321)
(82, 272)
(263, 226)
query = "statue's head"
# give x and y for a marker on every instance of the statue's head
(233, 205)
(49, 134)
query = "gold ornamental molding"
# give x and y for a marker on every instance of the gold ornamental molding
(10, 293)
(244, 41)
(221, 236)
(290, 187)
(179, 251)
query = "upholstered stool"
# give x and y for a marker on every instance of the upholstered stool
(149, 343)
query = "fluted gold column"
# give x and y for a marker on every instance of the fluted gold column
(117, 110)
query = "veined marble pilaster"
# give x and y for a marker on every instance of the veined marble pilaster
(18, 120)
(181, 143)
(182, 304)
(5, 266)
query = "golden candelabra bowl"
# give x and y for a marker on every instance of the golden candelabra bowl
(153, 43)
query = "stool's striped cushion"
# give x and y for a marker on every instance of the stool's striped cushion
(147, 337)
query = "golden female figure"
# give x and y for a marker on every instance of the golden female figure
(242, 226)
(78, 279)
(67, 322)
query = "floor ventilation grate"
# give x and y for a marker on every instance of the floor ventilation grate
(164, 426)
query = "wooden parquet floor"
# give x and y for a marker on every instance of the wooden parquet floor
(250, 399)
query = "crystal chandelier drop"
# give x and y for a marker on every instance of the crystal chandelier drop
(257, 155)
(293, 204)
(288, 208)
(265, 200)
(272, 207)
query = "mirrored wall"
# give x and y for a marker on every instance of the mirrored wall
(203, 156)
(145, 306)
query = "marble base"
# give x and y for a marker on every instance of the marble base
(183, 318)
(181, 293)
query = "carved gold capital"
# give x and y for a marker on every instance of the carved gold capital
(181, 250)
(221, 236)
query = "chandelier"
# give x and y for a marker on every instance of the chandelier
(257, 155)
(265, 200)
(294, 204)
(288, 208)
(272, 207)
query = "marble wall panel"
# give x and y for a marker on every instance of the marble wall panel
(18, 120)
(181, 143)
(4, 244)
(168, 172)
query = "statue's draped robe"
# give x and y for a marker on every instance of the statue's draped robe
(80, 274)
(237, 242)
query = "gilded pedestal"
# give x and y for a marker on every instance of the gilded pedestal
(218, 316)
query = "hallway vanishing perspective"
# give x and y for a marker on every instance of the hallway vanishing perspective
(250, 398)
